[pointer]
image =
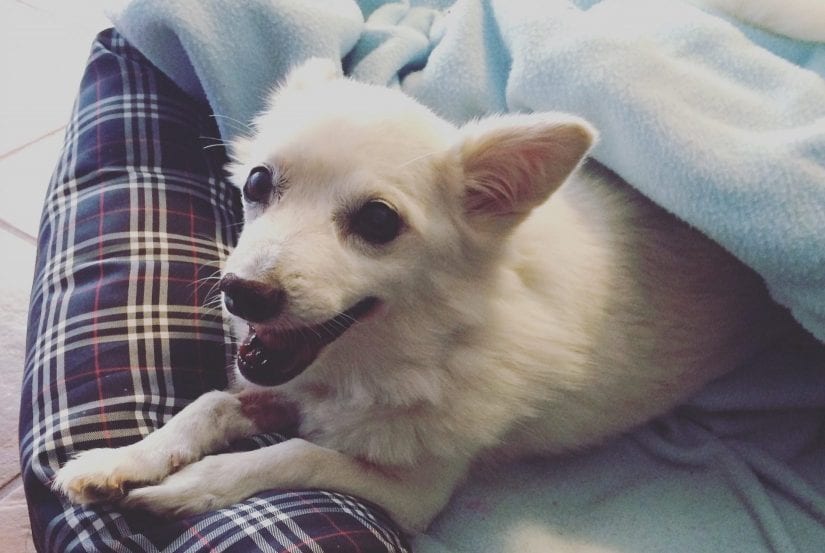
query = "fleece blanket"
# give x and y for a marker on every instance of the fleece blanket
(721, 123)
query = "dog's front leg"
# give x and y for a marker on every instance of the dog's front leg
(411, 495)
(206, 425)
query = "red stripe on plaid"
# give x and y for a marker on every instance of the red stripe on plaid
(317, 539)
(203, 541)
(98, 148)
(154, 209)
(338, 532)
(107, 435)
(144, 278)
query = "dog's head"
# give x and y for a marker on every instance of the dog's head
(362, 206)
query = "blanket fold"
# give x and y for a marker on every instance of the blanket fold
(721, 124)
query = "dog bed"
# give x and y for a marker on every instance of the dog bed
(720, 123)
(121, 334)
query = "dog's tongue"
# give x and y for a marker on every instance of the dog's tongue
(271, 358)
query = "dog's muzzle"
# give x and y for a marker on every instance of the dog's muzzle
(270, 356)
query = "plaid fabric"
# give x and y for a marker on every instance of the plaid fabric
(137, 220)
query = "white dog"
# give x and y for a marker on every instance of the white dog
(417, 297)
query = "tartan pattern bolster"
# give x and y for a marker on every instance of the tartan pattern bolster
(121, 333)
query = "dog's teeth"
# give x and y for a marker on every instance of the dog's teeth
(250, 350)
(271, 358)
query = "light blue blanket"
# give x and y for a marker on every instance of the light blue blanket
(720, 123)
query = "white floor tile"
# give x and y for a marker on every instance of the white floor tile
(24, 177)
(43, 50)
(88, 14)
(44, 45)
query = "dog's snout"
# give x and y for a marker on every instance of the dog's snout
(250, 299)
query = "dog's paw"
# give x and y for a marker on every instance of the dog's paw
(103, 475)
(209, 484)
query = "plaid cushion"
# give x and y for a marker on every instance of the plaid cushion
(121, 333)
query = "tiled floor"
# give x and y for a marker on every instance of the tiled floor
(43, 49)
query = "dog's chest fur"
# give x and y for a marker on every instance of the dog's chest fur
(603, 312)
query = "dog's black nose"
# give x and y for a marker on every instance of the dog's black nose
(249, 299)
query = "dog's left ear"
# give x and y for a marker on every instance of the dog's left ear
(513, 163)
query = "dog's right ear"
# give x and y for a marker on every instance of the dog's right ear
(513, 163)
(312, 72)
(305, 76)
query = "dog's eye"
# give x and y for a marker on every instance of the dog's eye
(259, 184)
(376, 222)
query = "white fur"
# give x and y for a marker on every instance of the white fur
(511, 324)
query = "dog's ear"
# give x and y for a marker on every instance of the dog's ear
(312, 72)
(513, 163)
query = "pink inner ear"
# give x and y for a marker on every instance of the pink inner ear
(512, 169)
(487, 198)
(501, 181)
(508, 175)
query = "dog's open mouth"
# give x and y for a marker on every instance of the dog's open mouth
(270, 358)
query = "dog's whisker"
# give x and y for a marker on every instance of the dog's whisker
(215, 138)
(212, 297)
(213, 294)
(201, 282)
(244, 128)
(240, 130)
(304, 331)
(210, 146)
(238, 121)
(213, 304)
(230, 226)
(212, 300)
(330, 327)
(214, 279)
(215, 275)
(344, 320)
(418, 158)
(211, 312)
